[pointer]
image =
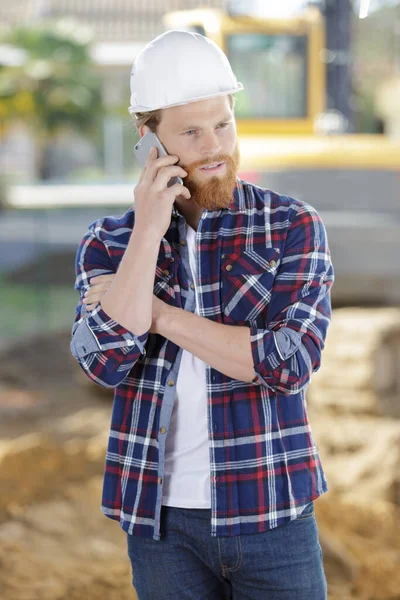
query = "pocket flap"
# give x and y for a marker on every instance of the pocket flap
(251, 262)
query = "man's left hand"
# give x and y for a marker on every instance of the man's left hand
(100, 284)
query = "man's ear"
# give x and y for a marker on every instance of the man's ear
(143, 130)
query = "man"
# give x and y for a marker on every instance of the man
(206, 307)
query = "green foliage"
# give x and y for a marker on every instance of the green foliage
(56, 84)
(29, 309)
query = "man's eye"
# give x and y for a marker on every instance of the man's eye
(223, 125)
(190, 132)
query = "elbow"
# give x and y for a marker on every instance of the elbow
(107, 373)
(293, 381)
(107, 379)
(291, 390)
(290, 383)
(289, 371)
(284, 381)
(295, 375)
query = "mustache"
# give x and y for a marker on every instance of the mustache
(219, 158)
(216, 192)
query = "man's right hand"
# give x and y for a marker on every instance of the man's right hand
(153, 199)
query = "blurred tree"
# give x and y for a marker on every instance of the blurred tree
(54, 85)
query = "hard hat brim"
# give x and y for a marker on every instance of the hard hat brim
(141, 109)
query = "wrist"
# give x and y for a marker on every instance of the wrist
(147, 231)
(146, 235)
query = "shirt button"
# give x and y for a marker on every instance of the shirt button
(183, 243)
(228, 267)
(162, 430)
(272, 263)
(159, 480)
(166, 272)
(171, 382)
(215, 427)
(192, 286)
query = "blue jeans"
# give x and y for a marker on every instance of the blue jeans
(284, 563)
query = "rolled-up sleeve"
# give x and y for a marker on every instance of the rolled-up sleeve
(288, 349)
(105, 349)
(97, 331)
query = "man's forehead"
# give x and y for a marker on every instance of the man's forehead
(198, 112)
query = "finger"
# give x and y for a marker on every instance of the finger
(151, 168)
(91, 306)
(180, 190)
(101, 278)
(99, 286)
(96, 290)
(165, 174)
(152, 156)
(95, 293)
(92, 298)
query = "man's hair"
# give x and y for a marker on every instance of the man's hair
(153, 118)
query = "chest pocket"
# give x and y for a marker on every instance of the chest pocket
(247, 279)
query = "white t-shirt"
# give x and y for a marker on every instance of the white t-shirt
(186, 482)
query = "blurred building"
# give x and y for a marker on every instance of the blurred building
(111, 20)
(120, 29)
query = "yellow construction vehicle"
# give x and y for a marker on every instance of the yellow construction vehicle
(292, 144)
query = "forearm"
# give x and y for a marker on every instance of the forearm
(225, 348)
(129, 298)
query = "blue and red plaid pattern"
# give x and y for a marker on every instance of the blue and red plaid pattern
(263, 263)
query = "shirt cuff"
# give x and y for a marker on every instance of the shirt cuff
(270, 349)
(98, 332)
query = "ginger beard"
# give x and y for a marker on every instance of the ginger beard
(216, 191)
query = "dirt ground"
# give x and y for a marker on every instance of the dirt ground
(54, 542)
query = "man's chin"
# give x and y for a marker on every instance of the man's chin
(213, 190)
(215, 194)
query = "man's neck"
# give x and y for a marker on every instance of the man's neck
(190, 210)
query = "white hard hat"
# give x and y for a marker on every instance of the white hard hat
(179, 67)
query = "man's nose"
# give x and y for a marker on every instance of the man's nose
(210, 144)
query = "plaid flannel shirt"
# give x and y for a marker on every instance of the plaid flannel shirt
(263, 263)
